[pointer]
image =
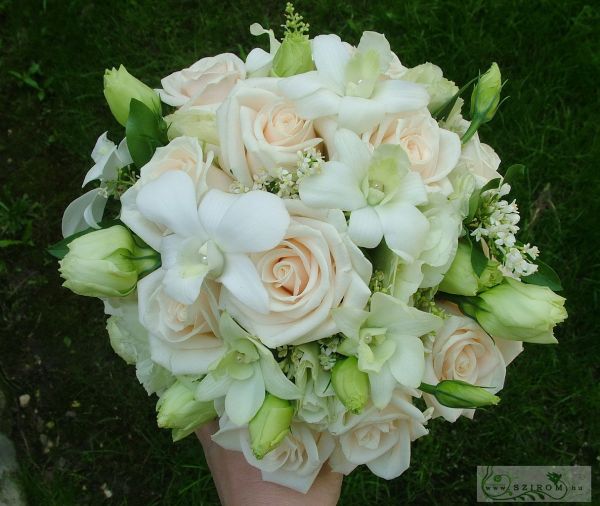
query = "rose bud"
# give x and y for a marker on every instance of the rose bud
(120, 87)
(518, 311)
(270, 425)
(179, 410)
(350, 385)
(106, 263)
(459, 394)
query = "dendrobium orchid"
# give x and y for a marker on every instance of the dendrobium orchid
(350, 84)
(214, 238)
(246, 370)
(387, 342)
(379, 191)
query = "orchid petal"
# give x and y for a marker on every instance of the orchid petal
(171, 201)
(364, 227)
(404, 227)
(244, 398)
(331, 57)
(243, 282)
(84, 212)
(353, 152)
(360, 114)
(276, 382)
(212, 387)
(407, 365)
(400, 96)
(335, 187)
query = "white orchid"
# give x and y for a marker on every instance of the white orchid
(386, 342)
(214, 238)
(87, 210)
(350, 84)
(378, 189)
(243, 374)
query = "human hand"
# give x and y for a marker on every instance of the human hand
(240, 484)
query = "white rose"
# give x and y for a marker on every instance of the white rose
(182, 337)
(481, 160)
(181, 154)
(130, 340)
(259, 130)
(315, 269)
(193, 122)
(433, 152)
(379, 438)
(295, 463)
(462, 350)
(206, 83)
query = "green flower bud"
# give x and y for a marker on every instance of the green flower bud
(350, 385)
(461, 278)
(486, 95)
(270, 425)
(106, 263)
(120, 87)
(459, 394)
(294, 56)
(179, 410)
(518, 311)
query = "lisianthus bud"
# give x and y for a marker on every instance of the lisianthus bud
(120, 87)
(459, 394)
(293, 57)
(350, 384)
(461, 278)
(106, 263)
(270, 425)
(179, 410)
(486, 95)
(519, 311)
(484, 100)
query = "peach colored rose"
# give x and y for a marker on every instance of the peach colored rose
(182, 337)
(315, 269)
(433, 152)
(462, 350)
(206, 83)
(259, 130)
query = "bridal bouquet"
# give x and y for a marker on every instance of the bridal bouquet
(312, 246)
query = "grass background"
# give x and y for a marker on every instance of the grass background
(90, 427)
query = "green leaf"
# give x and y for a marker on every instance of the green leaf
(61, 248)
(493, 184)
(544, 276)
(478, 259)
(5, 243)
(473, 205)
(442, 112)
(145, 131)
(514, 171)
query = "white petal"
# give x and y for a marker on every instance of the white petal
(360, 114)
(382, 387)
(405, 229)
(399, 318)
(448, 155)
(255, 222)
(335, 187)
(394, 462)
(365, 228)
(331, 57)
(84, 212)
(408, 362)
(412, 190)
(258, 62)
(349, 320)
(245, 398)
(183, 359)
(212, 387)
(300, 85)
(243, 282)
(276, 382)
(373, 41)
(321, 103)
(353, 152)
(213, 207)
(400, 96)
(171, 201)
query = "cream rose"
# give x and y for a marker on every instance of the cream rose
(182, 337)
(461, 350)
(259, 130)
(380, 439)
(480, 160)
(206, 83)
(433, 152)
(315, 269)
(295, 463)
(181, 154)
